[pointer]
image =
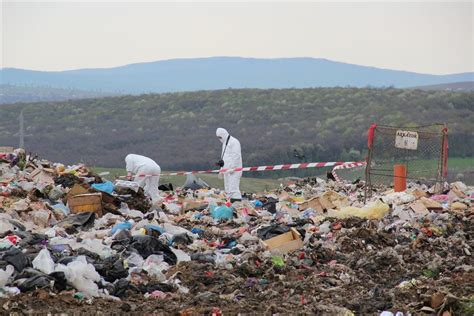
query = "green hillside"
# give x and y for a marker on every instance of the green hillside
(13, 94)
(178, 129)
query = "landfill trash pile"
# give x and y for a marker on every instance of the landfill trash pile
(71, 242)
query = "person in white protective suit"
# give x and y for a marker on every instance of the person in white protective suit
(145, 172)
(232, 158)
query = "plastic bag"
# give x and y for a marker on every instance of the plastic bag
(16, 258)
(222, 212)
(176, 230)
(107, 187)
(126, 212)
(181, 255)
(38, 281)
(155, 266)
(268, 232)
(5, 226)
(375, 210)
(62, 207)
(43, 262)
(149, 245)
(124, 225)
(5, 275)
(82, 276)
(135, 260)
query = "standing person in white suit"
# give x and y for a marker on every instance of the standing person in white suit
(231, 157)
(146, 173)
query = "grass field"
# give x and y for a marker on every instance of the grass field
(455, 166)
(246, 184)
(461, 164)
(463, 167)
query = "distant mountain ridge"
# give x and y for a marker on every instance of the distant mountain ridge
(215, 73)
(455, 86)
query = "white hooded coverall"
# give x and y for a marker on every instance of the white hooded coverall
(232, 159)
(141, 165)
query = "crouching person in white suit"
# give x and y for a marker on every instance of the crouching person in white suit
(146, 172)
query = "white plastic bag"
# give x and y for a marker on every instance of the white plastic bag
(181, 255)
(82, 276)
(155, 266)
(5, 275)
(43, 262)
(136, 260)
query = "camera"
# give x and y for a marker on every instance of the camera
(220, 163)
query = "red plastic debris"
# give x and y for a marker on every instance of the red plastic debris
(426, 231)
(337, 226)
(13, 239)
(216, 311)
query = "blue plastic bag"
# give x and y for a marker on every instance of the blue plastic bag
(156, 228)
(124, 225)
(107, 187)
(222, 212)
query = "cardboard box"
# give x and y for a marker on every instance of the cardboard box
(431, 204)
(313, 203)
(77, 189)
(90, 202)
(284, 243)
(331, 200)
(192, 205)
(417, 193)
(42, 176)
(419, 207)
(328, 201)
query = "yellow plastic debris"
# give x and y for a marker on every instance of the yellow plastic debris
(375, 210)
(458, 206)
(297, 199)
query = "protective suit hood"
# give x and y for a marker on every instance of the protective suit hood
(223, 134)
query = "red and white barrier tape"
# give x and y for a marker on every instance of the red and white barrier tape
(261, 168)
(346, 165)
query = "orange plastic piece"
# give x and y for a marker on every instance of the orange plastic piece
(399, 178)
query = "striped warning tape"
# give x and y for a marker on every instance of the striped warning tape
(346, 165)
(261, 168)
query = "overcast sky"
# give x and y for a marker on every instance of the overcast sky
(426, 37)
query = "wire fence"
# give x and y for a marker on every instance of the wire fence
(422, 149)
